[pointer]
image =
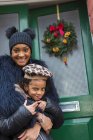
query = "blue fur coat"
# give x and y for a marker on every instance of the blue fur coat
(10, 74)
(10, 100)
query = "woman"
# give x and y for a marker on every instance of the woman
(20, 44)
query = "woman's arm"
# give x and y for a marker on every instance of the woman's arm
(45, 122)
(15, 123)
(52, 110)
(19, 120)
(55, 112)
(31, 133)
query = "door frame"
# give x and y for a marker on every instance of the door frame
(21, 10)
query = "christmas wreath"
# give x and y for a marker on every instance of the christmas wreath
(59, 38)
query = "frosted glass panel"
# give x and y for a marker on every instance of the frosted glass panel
(70, 80)
(6, 20)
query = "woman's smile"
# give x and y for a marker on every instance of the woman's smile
(21, 54)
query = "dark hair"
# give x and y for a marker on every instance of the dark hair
(25, 82)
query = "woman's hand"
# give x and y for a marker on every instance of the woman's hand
(42, 105)
(31, 133)
(31, 107)
(45, 122)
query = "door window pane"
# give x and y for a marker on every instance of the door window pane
(6, 21)
(70, 80)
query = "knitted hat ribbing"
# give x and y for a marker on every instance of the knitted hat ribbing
(20, 38)
(16, 37)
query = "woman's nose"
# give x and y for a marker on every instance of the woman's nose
(21, 54)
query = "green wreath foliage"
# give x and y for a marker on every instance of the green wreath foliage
(59, 38)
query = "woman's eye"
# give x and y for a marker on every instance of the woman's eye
(16, 51)
(26, 50)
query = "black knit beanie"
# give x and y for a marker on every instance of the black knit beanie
(16, 37)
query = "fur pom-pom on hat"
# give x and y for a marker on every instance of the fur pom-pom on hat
(15, 37)
(30, 32)
(11, 31)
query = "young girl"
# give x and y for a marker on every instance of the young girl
(34, 87)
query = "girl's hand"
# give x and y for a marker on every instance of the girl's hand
(31, 107)
(42, 105)
(45, 122)
(31, 133)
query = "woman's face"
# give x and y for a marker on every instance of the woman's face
(21, 54)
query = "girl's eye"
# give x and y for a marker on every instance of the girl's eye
(35, 89)
(43, 89)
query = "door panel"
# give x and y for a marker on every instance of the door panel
(74, 82)
(75, 129)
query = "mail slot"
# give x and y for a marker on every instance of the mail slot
(70, 106)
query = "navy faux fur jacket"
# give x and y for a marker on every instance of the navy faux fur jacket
(10, 100)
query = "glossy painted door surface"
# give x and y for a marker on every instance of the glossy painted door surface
(74, 82)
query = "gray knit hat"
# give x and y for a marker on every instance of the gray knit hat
(16, 37)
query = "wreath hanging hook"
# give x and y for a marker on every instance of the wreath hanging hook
(60, 38)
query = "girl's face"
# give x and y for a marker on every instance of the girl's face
(36, 89)
(21, 54)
